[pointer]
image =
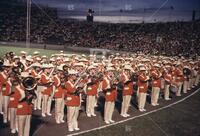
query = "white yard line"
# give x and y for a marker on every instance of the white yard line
(105, 126)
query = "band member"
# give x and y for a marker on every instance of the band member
(156, 84)
(186, 74)
(195, 69)
(13, 103)
(179, 79)
(168, 81)
(35, 72)
(24, 107)
(3, 78)
(59, 97)
(198, 74)
(127, 90)
(91, 92)
(47, 90)
(110, 95)
(142, 88)
(72, 101)
(6, 92)
(191, 75)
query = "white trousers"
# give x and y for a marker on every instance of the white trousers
(166, 92)
(72, 117)
(23, 125)
(155, 95)
(1, 101)
(162, 83)
(46, 104)
(190, 84)
(59, 109)
(5, 107)
(13, 118)
(38, 101)
(141, 100)
(180, 84)
(90, 104)
(125, 104)
(108, 110)
(197, 79)
(185, 86)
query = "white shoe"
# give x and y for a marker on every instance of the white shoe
(153, 104)
(1, 112)
(5, 121)
(62, 121)
(143, 109)
(13, 131)
(167, 99)
(76, 129)
(43, 115)
(35, 108)
(71, 129)
(49, 114)
(123, 115)
(127, 115)
(58, 122)
(39, 108)
(157, 104)
(112, 121)
(89, 115)
(107, 122)
(94, 115)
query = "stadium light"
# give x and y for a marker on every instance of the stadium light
(28, 23)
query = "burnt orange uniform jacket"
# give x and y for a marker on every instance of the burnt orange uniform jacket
(71, 98)
(59, 92)
(3, 78)
(168, 78)
(23, 108)
(15, 97)
(92, 89)
(179, 75)
(109, 95)
(142, 83)
(128, 87)
(44, 80)
(7, 88)
(156, 82)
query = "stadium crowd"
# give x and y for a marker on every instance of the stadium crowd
(46, 28)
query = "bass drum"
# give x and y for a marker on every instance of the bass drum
(173, 89)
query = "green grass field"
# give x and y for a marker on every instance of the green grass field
(4, 49)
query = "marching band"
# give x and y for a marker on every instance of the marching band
(33, 82)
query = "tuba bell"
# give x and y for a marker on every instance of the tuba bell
(29, 83)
